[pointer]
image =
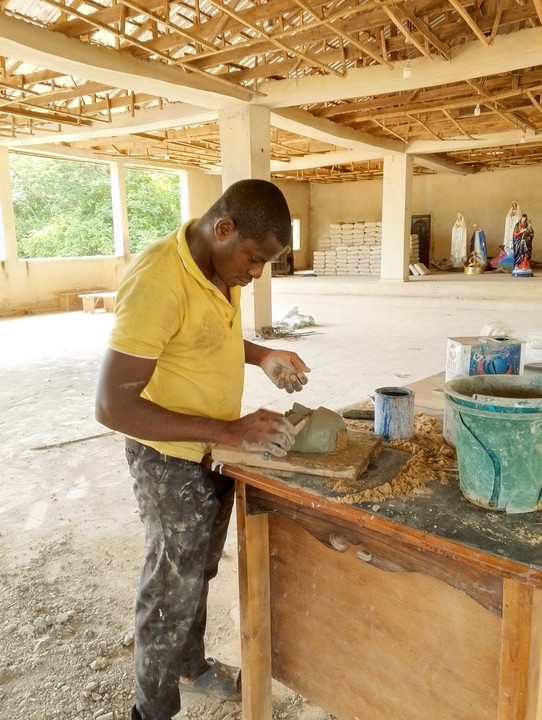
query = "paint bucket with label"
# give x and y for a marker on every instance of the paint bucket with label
(394, 413)
(497, 425)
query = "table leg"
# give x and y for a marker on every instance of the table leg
(520, 696)
(253, 539)
(89, 304)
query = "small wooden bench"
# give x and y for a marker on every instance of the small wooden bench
(68, 300)
(92, 300)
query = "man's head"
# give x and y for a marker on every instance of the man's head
(257, 207)
(250, 225)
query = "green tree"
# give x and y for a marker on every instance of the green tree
(154, 206)
(64, 208)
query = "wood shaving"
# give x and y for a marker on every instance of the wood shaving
(432, 459)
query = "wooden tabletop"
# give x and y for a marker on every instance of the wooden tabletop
(441, 520)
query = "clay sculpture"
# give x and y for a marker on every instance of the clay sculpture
(324, 431)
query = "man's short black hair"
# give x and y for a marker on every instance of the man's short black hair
(258, 208)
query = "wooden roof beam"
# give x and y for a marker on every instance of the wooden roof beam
(469, 61)
(188, 35)
(425, 30)
(534, 101)
(107, 15)
(409, 37)
(144, 121)
(302, 35)
(57, 117)
(424, 125)
(538, 7)
(47, 98)
(73, 57)
(360, 46)
(311, 60)
(454, 122)
(456, 4)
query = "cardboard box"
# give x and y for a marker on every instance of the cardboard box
(483, 356)
(467, 356)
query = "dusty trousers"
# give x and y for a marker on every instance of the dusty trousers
(185, 510)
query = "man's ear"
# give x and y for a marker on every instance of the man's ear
(223, 228)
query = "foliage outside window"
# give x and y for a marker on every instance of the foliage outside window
(62, 208)
(154, 206)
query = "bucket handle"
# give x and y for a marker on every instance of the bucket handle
(497, 472)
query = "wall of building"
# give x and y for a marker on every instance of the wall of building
(297, 195)
(33, 285)
(483, 198)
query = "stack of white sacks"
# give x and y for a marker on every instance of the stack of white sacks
(414, 249)
(350, 249)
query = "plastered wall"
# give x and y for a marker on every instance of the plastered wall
(32, 285)
(483, 198)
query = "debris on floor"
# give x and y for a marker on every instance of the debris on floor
(289, 326)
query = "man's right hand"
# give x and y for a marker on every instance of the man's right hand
(263, 431)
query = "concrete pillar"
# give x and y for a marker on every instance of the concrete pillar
(120, 208)
(202, 190)
(396, 210)
(245, 153)
(8, 238)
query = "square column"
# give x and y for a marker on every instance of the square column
(8, 237)
(245, 153)
(120, 208)
(396, 211)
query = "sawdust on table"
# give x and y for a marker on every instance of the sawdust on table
(432, 459)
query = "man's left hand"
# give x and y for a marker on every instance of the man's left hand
(286, 370)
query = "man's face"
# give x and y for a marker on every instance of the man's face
(238, 261)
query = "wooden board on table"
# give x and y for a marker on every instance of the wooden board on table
(347, 463)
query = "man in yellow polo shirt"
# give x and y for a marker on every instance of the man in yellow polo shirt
(172, 382)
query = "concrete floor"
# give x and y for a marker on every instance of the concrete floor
(60, 466)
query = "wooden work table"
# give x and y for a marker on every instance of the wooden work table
(423, 607)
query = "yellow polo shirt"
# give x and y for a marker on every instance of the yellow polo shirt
(167, 310)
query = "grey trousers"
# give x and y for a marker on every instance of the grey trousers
(185, 510)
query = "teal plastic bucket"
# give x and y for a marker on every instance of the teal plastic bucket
(497, 429)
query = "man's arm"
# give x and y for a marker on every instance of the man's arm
(119, 406)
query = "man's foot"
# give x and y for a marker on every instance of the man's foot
(219, 680)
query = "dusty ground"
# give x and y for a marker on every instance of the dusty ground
(70, 537)
(71, 542)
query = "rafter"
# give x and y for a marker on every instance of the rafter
(470, 22)
(410, 37)
(457, 125)
(534, 101)
(355, 43)
(425, 30)
(311, 60)
(191, 37)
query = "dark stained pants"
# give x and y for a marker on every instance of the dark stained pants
(185, 510)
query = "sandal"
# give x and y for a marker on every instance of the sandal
(219, 680)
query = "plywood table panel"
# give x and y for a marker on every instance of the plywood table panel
(417, 611)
